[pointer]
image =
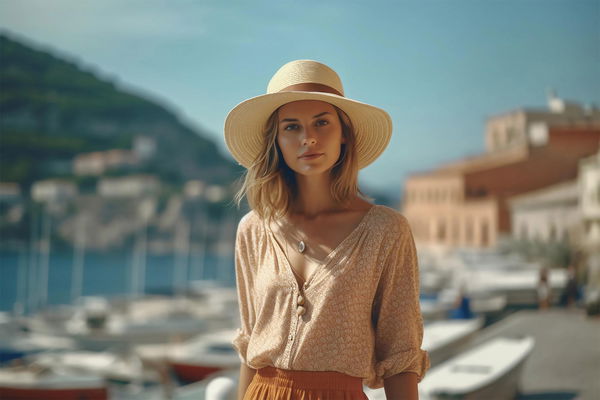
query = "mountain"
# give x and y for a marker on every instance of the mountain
(52, 109)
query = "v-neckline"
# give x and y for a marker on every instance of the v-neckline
(326, 260)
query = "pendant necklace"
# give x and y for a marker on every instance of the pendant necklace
(301, 246)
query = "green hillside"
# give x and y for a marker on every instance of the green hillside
(52, 109)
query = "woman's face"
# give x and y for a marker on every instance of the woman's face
(309, 134)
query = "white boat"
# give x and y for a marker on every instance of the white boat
(221, 385)
(486, 304)
(34, 383)
(20, 345)
(196, 358)
(490, 371)
(444, 339)
(434, 310)
(113, 367)
(99, 324)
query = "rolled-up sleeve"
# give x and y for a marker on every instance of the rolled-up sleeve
(397, 320)
(244, 283)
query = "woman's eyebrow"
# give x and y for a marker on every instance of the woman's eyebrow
(294, 119)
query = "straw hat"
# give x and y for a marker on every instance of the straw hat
(304, 80)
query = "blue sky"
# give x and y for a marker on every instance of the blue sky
(440, 68)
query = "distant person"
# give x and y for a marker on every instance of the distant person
(462, 305)
(570, 293)
(543, 289)
(327, 282)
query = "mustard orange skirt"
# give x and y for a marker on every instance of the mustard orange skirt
(271, 383)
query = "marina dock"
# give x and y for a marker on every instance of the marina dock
(565, 362)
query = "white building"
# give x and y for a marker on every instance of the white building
(53, 190)
(549, 214)
(589, 203)
(517, 127)
(129, 186)
(98, 162)
(144, 147)
(194, 189)
(9, 192)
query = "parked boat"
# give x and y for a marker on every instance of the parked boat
(21, 345)
(434, 310)
(490, 371)
(221, 385)
(115, 368)
(35, 383)
(194, 359)
(99, 324)
(444, 339)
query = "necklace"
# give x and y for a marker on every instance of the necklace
(300, 243)
(301, 246)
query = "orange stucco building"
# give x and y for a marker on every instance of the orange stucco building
(465, 204)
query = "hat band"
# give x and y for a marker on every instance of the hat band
(310, 87)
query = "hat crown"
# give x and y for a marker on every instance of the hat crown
(304, 71)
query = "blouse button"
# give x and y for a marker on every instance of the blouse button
(300, 310)
(300, 300)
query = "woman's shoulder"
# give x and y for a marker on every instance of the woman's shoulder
(389, 221)
(249, 221)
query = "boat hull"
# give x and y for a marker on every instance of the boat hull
(9, 393)
(189, 373)
(506, 388)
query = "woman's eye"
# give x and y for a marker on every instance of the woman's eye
(322, 122)
(291, 127)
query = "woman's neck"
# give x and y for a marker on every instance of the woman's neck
(314, 196)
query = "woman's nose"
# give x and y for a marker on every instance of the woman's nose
(309, 138)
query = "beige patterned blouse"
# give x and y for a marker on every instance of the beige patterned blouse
(361, 311)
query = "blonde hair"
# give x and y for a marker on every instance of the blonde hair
(269, 184)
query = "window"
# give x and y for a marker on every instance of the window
(485, 234)
(511, 135)
(441, 230)
(455, 230)
(469, 230)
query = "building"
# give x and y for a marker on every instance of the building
(144, 147)
(10, 192)
(589, 203)
(12, 207)
(98, 162)
(129, 186)
(53, 190)
(516, 128)
(547, 215)
(465, 203)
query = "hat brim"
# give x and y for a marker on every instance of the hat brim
(245, 124)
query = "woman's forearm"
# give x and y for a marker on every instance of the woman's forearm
(246, 375)
(401, 386)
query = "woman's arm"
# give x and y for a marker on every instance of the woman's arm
(402, 386)
(246, 375)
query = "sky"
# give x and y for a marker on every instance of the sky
(440, 68)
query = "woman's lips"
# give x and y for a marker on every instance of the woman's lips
(310, 156)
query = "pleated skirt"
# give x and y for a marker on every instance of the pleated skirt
(271, 383)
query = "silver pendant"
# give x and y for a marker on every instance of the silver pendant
(301, 246)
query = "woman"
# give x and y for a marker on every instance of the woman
(327, 282)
